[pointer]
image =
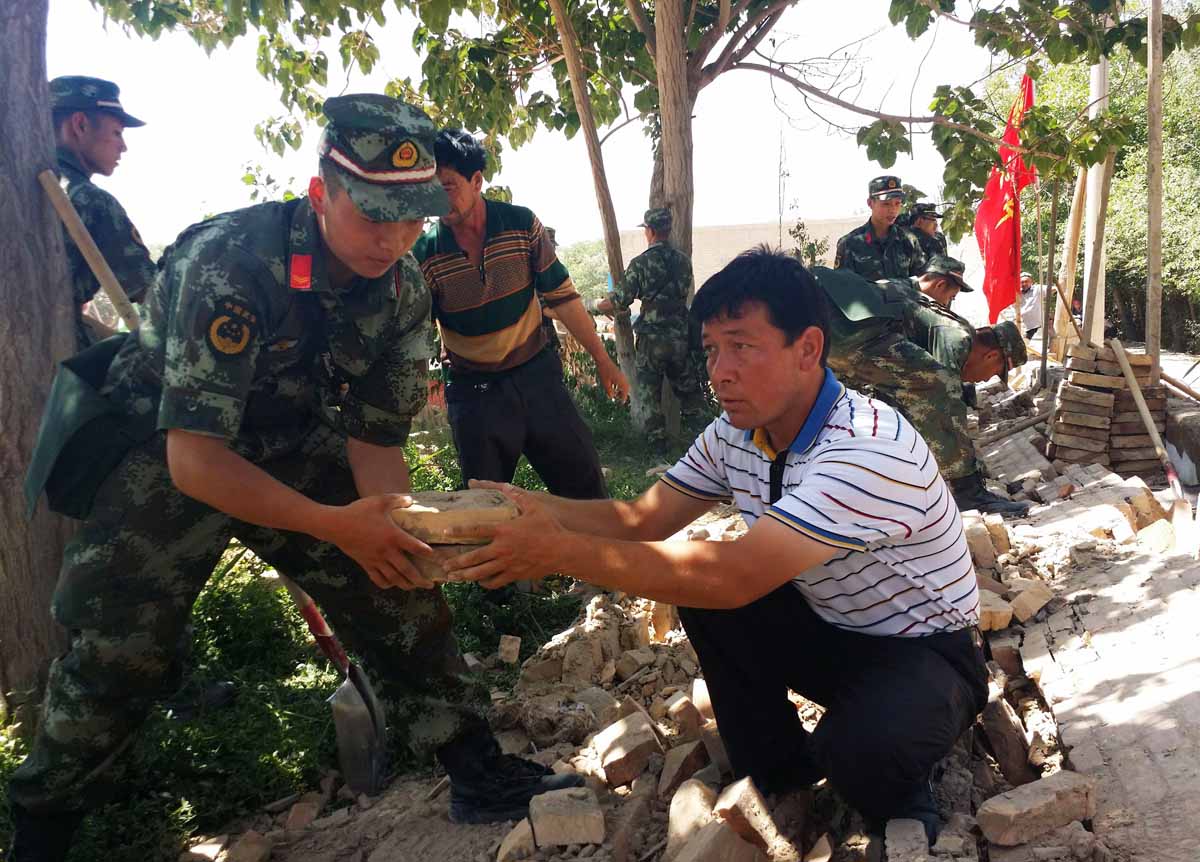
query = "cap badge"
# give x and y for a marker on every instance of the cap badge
(406, 155)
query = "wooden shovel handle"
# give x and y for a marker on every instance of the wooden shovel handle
(1147, 419)
(87, 246)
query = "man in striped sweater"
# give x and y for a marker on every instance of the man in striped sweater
(490, 267)
(853, 585)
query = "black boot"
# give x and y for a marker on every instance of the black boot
(41, 837)
(970, 493)
(487, 786)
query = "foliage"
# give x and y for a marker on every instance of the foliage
(808, 248)
(588, 265)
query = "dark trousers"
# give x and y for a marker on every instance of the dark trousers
(894, 706)
(497, 418)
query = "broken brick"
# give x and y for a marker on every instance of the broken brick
(1022, 814)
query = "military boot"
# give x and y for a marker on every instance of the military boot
(488, 786)
(970, 493)
(41, 837)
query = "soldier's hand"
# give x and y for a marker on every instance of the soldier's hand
(613, 381)
(365, 531)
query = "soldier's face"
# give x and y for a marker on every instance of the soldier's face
(462, 192)
(983, 363)
(367, 248)
(101, 140)
(759, 378)
(926, 225)
(941, 290)
(885, 212)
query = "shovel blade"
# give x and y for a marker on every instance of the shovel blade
(361, 737)
(1184, 526)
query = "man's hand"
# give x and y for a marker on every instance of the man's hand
(523, 549)
(613, 380)
(365, 531)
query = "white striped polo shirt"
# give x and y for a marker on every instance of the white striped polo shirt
(859, 478)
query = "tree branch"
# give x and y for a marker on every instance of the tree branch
(713, 35)
(934, 120)
(755, 28)
(642, 22)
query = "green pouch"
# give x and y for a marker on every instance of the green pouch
(83, 435)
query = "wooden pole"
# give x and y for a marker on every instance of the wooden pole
(1154, 189)
(87, 247)
(1049, 300)
(1093, 295)
(1070, 251)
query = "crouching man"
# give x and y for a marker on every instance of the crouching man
(853, 585)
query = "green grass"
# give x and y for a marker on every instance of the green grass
(183, 779)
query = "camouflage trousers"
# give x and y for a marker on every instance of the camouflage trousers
(659, 357)
(128, 582)
(899, 372)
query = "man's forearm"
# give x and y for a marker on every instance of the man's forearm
(580, 324)
(613, 519)
(377, 469)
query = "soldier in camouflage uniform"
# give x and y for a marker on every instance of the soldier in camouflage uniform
(922, 220)
(891, 341)
(881, 248)
(943, 280)
(661, 277)
(88, 126)
(266, 397)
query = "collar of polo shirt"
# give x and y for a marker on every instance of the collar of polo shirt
(831, 391)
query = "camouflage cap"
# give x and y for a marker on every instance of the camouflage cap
(81, 93)
(552, 235)
(657, 219)
(382, 149)
(951, 268)
(925, 210)
(1012, 345)
(886, 188)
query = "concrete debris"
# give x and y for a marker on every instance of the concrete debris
(1022, 814)
(994, 612)
(691, 809)
(717, 842)
(517, 844)
(680, 764)
(625, 747)
(905, 841)
(569, 816)
(744, 809)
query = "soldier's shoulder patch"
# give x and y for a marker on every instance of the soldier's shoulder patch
(230, 330)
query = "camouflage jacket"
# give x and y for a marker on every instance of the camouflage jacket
(944, 335)
(115, 236)
(897, 255)
(931, 246)
(245, 338)
(661, 277)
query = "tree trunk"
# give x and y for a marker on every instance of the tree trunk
(658, 195)
(676, 97)
(1070, 262)
(35, 330)
(612, 236)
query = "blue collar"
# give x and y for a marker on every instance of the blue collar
(831, 391)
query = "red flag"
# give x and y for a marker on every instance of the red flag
(998, 219)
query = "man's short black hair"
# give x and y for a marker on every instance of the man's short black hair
(779, 281)
(58, 116)
(458, 149)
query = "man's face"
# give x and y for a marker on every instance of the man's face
(756, 375)
(463, 194)
(1026, 283)
(100, 141)
(983, 362)
(885, 211)
(940, 289)
(368, 248)
(927, 226)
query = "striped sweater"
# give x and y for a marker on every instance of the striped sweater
(490, 318)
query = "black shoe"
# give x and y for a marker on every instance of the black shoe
(487, 786)
(970, 493)
(42, 837)
(188, 702)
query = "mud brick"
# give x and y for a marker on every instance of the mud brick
(1069, 392)
(1069, 405)
(1078, 431)
(1139, 454)
(1100, 381)
(1138, 427)
(1081, 351)
(1028, 811)
(1152, 404)
(1088, 420)
(1072, 441)
(1131, 441)
(1076, 363)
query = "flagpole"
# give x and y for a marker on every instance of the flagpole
(1154, 188)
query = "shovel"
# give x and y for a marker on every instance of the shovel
(358, 717)
(1181, 511)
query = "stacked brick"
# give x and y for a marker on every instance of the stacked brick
(1097, 421)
